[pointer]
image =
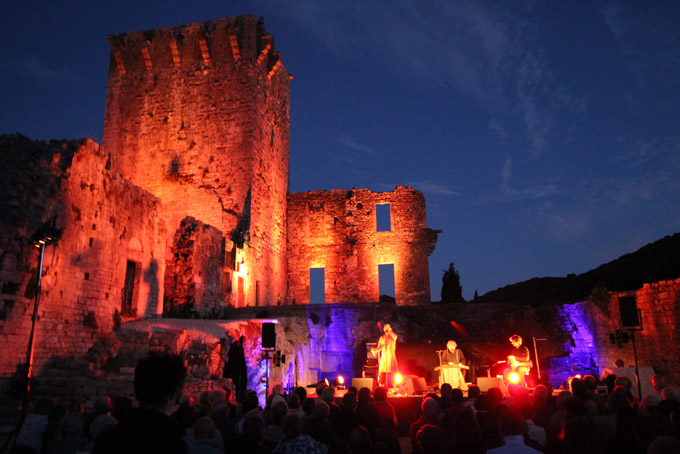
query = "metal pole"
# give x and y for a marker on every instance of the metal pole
(538, 367)
(637, 372)
(31, 338)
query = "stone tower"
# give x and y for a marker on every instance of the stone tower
(198, 115)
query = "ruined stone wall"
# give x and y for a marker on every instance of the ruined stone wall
(199, 116)
(194, 278)
(658, 344)
(104, 223)
(336, 230)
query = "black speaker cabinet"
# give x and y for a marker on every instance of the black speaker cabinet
(629, 311)
(268, 335)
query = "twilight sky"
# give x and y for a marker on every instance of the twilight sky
(545, 135)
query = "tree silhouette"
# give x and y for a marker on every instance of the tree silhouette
(452, 291)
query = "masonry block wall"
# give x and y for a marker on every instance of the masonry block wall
(198, 115)
(108, 229)
(194, 278)
(337, 230)
(658, 344)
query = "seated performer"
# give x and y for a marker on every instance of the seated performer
(519, 359)
(452, 361)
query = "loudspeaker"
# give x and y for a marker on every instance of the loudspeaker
(359, 383)
(485, 383)
(412, 385)
(268, 335)
(629, 311)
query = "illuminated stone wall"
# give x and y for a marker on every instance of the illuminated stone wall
(105, 223)
(198, 115)
(194, 280)
(337, 230)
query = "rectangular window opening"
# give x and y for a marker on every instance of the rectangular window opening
(317, 291)
(382, 217)
(257, 293)
(241, 292)
(386, 283)
(129, 288)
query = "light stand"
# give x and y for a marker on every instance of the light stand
(538, 366)
(637, 372)
(44, 236)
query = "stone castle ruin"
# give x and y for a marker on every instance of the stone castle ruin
(184, 212)
(184, 209)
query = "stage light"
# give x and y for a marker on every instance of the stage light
(398, 379)
(513, 377)
(339, 382)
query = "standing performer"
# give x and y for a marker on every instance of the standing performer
(453, 356)
(387, 358)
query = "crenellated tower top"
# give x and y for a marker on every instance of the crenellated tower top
(199, 46)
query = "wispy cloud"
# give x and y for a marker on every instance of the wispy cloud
(508, 193)
(348, 142)
(32, 67)
(490, 52)
(431, 187)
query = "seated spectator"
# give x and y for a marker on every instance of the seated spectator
(205, 440)
(605, 425)
(557, 419)
(294, 407)
(513, 429)
(671, 393)
(219, 413)
(295, 442)
(31, 433)
(368, 415)
(120, 405)
(328, 396)
(627, 384)
(591, 392)
(664, 445)
(301, 392)
(251, 440)
(148, 429)
(543, 406)
(430, 416)
(349, 418)
(473, 391)
(535, 433)
(103, 418)
(579, 436)
(465, 438)
(273, 433)
(359, 440)
(653, 399)
(319, 428)
(580, 391)
(72, 438)
(445, 402)
(430, 439)
(386, 426)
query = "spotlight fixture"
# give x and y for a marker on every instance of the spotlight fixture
(513, 377)
(339, 382)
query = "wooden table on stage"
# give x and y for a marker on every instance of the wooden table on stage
(451, 374)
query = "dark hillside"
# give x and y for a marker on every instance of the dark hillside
(654, 262)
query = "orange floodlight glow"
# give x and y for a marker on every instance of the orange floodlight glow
(341, 379)
(398, 379)
(242, 270)
(513, 377)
